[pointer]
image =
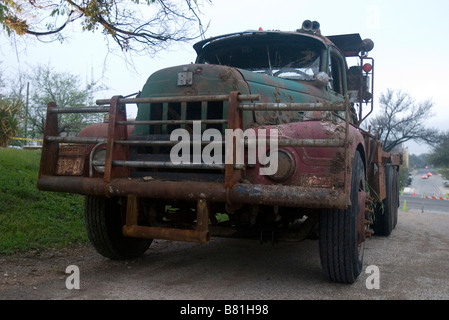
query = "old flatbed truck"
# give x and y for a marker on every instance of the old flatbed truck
(172, 173)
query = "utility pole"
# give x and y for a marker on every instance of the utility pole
(26, 112)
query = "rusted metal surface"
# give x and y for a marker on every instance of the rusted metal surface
(154, 122)
(116, 151)
(235, 121)
(50, 149)
(117, 159)
(85, 140)
(302, 142)
(199, 234)
(396, 159)
(281, 195)
(340, 106)
(377, 176)
(198, 98)
(71, 160)
(79, 109)
(171, 165)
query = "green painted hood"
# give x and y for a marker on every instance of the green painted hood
(209, 79)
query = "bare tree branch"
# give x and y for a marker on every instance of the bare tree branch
(402, 119)
(135, 26)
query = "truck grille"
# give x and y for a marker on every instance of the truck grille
(165, 117)
(179, 111)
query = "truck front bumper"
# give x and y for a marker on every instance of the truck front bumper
(240, 193)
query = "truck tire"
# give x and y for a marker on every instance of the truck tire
(340, 251)
(386, 213)
(104, 219)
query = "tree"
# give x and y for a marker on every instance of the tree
(440, 153)
(65, 90)
(402, 119)
(9, 124)
(138, 26)
(9, 116)
(16, 94)
(418, 161)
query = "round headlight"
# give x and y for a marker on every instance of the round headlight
(286, 166)
(99, 159)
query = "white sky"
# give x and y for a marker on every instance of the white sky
(410, 51)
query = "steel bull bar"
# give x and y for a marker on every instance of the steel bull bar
(202, 192)
(241, 193)
(116, 182)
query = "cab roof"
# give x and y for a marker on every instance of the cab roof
(348, 44)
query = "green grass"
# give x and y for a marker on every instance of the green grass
(31, 219)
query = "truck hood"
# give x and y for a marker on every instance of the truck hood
(205, 80)
(209, 79)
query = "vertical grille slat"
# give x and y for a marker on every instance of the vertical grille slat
(183, 113)
(164, 116)
(204, 107)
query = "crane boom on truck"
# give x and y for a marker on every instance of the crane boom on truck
(259, 138)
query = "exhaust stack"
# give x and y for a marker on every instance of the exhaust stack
(311, 26)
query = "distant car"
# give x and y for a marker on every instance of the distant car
(409, 179)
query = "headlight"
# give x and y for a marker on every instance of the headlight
(99, 159)
(286, 166)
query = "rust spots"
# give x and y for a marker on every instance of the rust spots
(228, 75)
(316, 180)
(338, 163)
(225, 75)
(277, 95)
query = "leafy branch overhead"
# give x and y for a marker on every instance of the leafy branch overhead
(137, 26)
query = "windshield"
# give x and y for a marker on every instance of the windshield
(279, 55)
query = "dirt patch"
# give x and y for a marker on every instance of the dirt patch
(35, 267)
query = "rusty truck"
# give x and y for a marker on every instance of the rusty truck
(261, 138)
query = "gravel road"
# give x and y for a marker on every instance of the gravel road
(413, 264)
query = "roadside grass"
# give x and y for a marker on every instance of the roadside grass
(31, 219)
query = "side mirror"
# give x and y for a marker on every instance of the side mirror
(359, 84)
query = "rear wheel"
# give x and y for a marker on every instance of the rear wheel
(386, 213)
(342, 232)
(105, 218)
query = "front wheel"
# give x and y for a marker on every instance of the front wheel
(105, 218)
(341, 239)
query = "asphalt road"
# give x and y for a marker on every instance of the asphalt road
(426, 195)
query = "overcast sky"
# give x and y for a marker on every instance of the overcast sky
(410, 51)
